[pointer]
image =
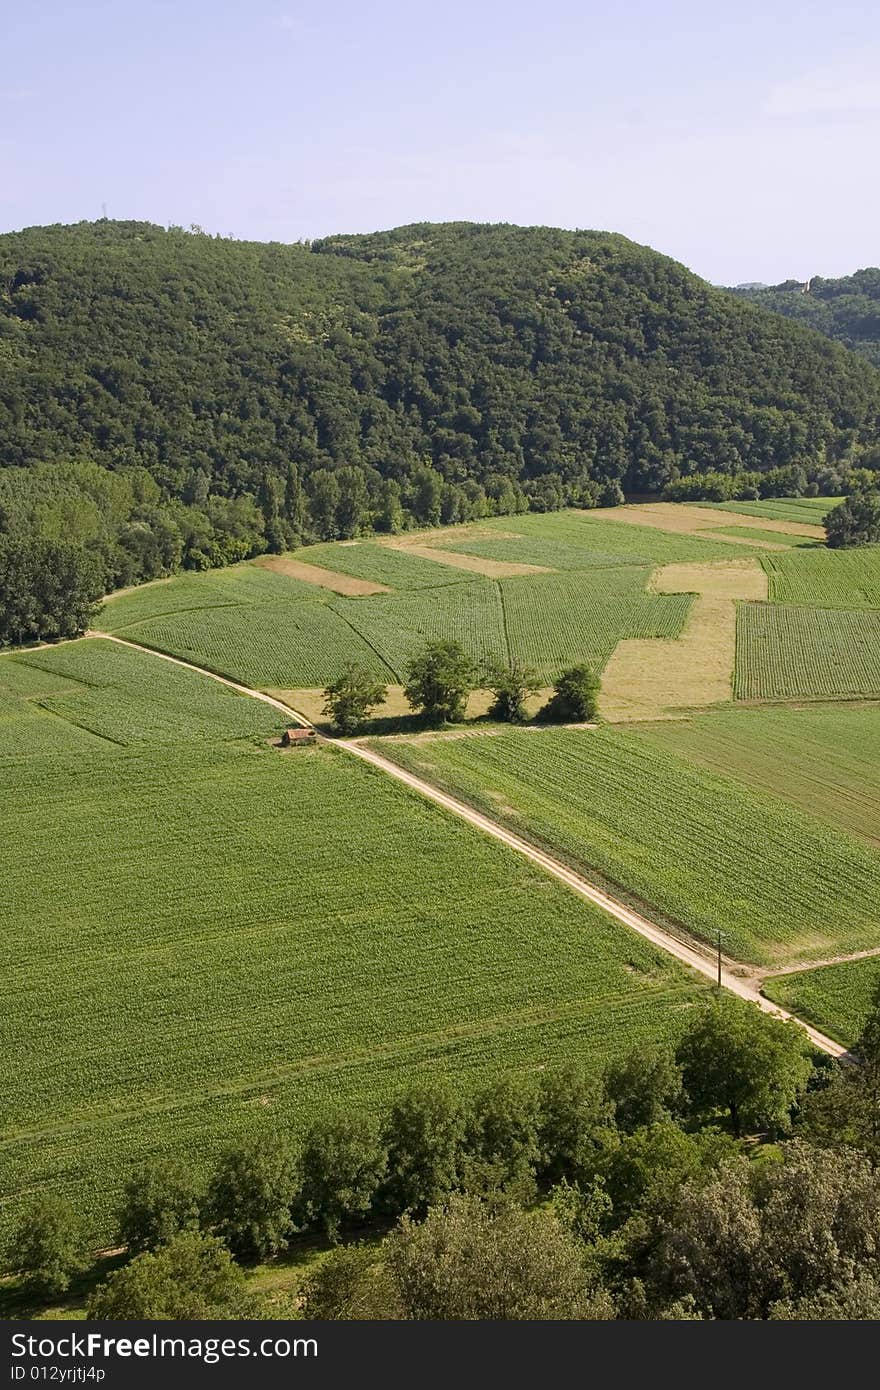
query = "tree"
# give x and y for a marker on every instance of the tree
(574, 699)
(191, 1278)
(501, 1137)
(48, 589)
(423, 1134)
(158, 1200)
(847, 1110)
(352, 697)
(249, 1197)
(511, 686)
(471, 1260)
(352, 1284)
(48, 1246)
(735, 1058)
(438, 682)
(573, 1125)
(647, 1169)
(341, 1166)
(324, 498)
(856, 520)
(645, 1087)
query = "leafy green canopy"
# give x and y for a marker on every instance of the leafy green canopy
(245, 395)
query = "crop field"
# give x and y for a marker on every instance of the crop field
(208, 935)
(383, 564)
(765, 540)
(671, 835)
(836, 998)
(823, 759)
(121, 697)
(599, 533)
(241, 584)
(554, 620)
(824, 578)
(276, 644)
(785, 652)
(397, 626)
(811, 510)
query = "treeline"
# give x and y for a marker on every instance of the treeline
(792, 481)
(425, 375)
(638, 1195)
(847, 309)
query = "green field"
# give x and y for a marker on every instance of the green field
(785, 652)
(234, 587)
(836, 998)
(810, 510)
(598, 534)
(555, 620)
(698, 849)
(824, 759)
(204, 934)
(824, 578)
(382, 565)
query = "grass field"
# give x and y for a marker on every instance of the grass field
(825, 759)
(382, 564)
(699, 849)
(824, 578)
(836, 998)
(204, 934)
(234, 587)
(785, 652)
(810, 510)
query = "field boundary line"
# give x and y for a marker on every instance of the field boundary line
(704, 964)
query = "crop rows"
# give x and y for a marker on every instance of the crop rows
(836, 998)
(824, 578)
(555, 620)
(699, 849)
(241, 584)
(274, 645)
(811, 510)
(823, 758)
(786, 652)
(233, 936)
(382, 565)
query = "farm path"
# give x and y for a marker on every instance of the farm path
(746, 985)
(222, 680)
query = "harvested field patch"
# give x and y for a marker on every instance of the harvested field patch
(644, 680)
(325, 579)
(492, 569)
(691, 517)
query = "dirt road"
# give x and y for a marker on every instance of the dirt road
(690, 955)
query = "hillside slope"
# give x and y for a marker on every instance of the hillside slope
(847, 309)
(247, 395)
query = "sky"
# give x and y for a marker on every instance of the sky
(743, 139)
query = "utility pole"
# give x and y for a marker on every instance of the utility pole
(719, 959)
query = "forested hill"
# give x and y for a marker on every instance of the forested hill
(847, 309)
(245, 395)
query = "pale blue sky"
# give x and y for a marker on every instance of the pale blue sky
(743, 139)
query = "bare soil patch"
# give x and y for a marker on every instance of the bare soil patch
(689, 520)
(492, 569)
(324, 579)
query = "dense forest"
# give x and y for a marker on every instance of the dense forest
(847, 309)
(171, 398)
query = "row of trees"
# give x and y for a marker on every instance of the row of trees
(793, 480)
(602, 1151)
(439, 679)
